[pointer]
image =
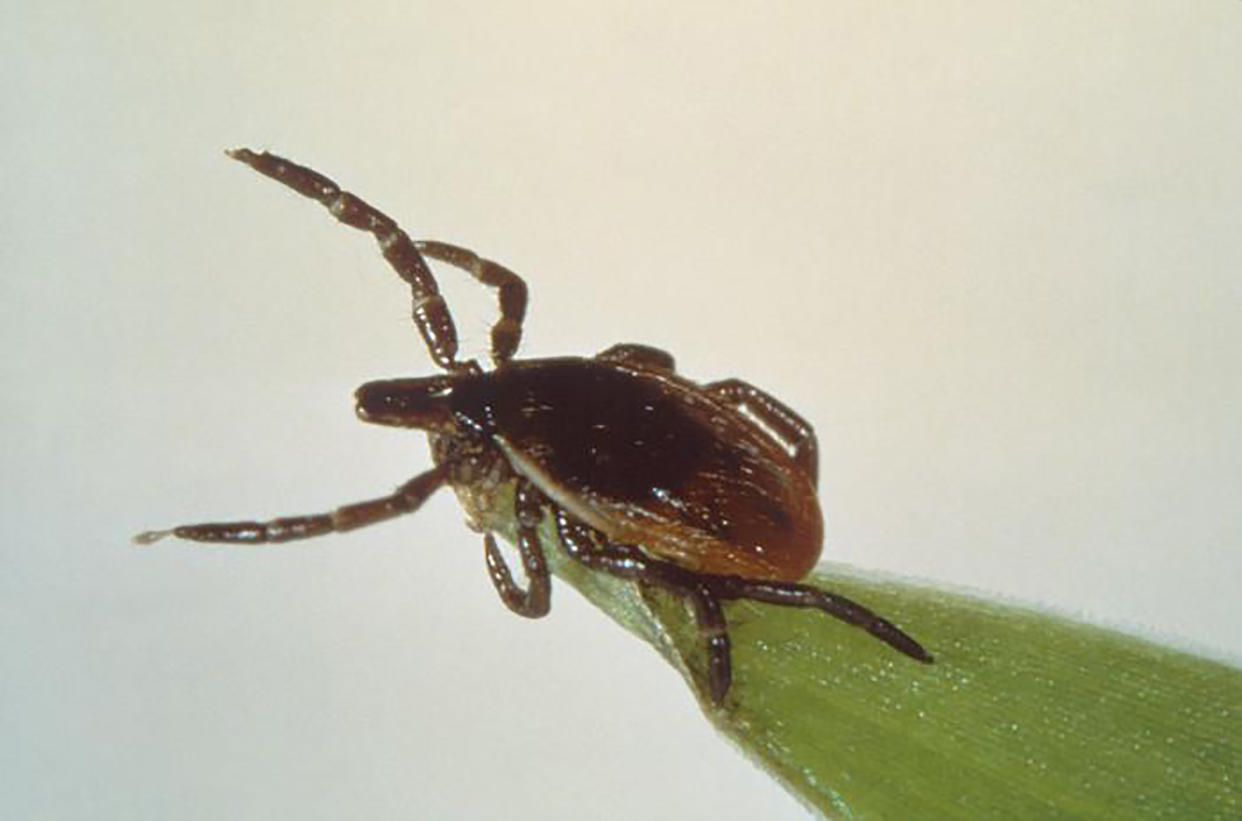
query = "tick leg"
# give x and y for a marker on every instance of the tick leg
(511, 293)
(431, 314)
(534, 601)
(790, 594)
(631, 563)
(796, 432)
(639, 356)
(707, 591)
(406, 499)
(711, 621)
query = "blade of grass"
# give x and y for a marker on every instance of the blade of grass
(1024, 714)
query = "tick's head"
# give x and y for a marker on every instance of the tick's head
(423, 404)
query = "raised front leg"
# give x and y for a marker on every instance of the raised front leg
(406, 499)
(511, 293)
(784, 421)
(431, 314)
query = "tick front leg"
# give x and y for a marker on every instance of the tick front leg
(407, 499)
(511, 292)
(782, 419)
(431, 313)
(535, 600)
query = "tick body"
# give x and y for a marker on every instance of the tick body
(705, 490)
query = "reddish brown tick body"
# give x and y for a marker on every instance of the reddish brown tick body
(708, 491)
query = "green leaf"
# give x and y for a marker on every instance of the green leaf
(1023, 715)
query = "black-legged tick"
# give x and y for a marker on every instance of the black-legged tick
(707, 491)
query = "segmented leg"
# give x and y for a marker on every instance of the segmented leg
(712, 625)
(639, 356)
(431, 314)
(707, 591)
(406, 499)
(782, 419)
(791, 594)
(630, 563)
(511, 292)
(534, 601)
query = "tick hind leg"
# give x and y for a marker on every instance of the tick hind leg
(639, 356)
(705, 593)
(406, 499)
(431, 313)
(795, 432)
(630, 563)
(791, 594)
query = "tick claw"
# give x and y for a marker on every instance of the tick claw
(151, 536)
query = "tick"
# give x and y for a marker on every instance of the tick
(707, 491)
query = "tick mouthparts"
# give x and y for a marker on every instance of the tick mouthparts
(405, 403)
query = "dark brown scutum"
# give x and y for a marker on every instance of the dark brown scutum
(596, 427)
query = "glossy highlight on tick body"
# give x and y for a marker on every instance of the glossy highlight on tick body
(707, 491)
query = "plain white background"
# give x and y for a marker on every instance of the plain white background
(991, 250)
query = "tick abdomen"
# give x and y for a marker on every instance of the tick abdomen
(650, 458)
